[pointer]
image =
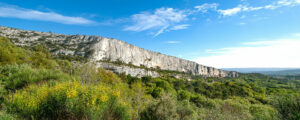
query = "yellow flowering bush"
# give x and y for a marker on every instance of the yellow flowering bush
(71, 93)
(77, 99)
(117, 93)
(103, 98)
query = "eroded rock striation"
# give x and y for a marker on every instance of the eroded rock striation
(99, 49)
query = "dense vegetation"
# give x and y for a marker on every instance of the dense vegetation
(36, 85)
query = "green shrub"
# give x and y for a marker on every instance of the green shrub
(108, 76)
(66, 66)
(114, 111)
(263, 112)
(202, 101)
(5, 116)
(157, 92)
(18, 76)
(185, 110)
(163, 109)
(236, 109)
(11, 54)
(162, 84)
(288, 106)
(183, 95)
(41, 60)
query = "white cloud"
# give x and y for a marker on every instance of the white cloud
(161, 30)
(262, 43)
(256, 8)
(164, 20)
(270, 7)
(279, 53)
(173, 42)
(22, 13)
(205, 7)
(231, 11)
(180, 27)
(160, 20)
(288, 2)
(246, 8)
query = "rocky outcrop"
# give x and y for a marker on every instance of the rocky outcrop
(97, 48)
(138, 72)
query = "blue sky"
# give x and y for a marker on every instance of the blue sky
(223, 34)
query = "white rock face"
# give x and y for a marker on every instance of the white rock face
(138, 72)
(97, 48)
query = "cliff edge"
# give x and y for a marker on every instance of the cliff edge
(100, 50)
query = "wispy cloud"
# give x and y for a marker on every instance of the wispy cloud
(205, 7)
(161, 30)
(288, 2)
(247, 8)
(10, 11)
(277, 53)
(262, 43)
(180, 27)
(163, 20)
(160, 19)
(231, 11)
(173, 42)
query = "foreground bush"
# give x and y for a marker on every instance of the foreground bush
(68, 100)
(11, 54)
(17, 76)
(5, 116)
(37, 56)
(163, 109)
(288, 105)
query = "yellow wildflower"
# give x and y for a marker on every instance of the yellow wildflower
(94, 100)
(101, 88)
(117, 93)
(58, 87)
(76, 84)
(123, 103)
(104, 98)
(71, 93)
(44, 92)
(84, 89)
(32, 103)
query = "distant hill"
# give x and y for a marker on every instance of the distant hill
(283, 72)
(259, 70)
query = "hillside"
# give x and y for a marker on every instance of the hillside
(37, 85)
(105, 51)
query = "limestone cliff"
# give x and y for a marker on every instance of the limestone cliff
(98, 49)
